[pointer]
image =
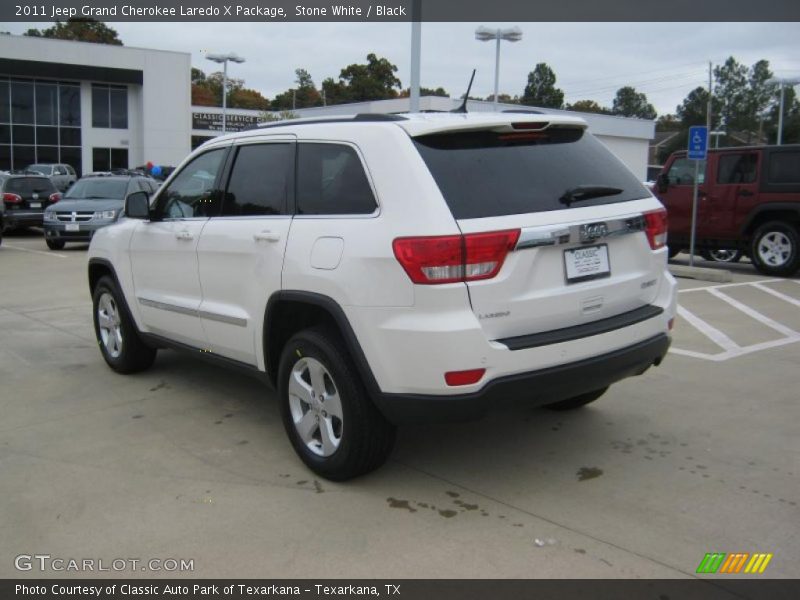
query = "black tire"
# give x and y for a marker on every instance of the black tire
(365, 437)
(54, 244)
(577, 401)
(722, 255)
(775, 249)
(673, 251)
(131, 355)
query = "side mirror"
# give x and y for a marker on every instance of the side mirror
(662, 182)
(137, 206)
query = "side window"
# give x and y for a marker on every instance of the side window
(71, 170)
(192, 192)
(784, 167)
(682, 172)
(331, 181)
(60, 171)
(259, 180)
(737, 168)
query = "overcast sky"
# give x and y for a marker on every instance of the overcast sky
(591, 60)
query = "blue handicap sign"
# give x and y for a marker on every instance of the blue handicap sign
(698, 143)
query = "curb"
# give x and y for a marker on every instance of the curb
(701, 273)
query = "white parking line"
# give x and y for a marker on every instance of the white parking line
(727, 285)
(730, 348)
(21, 249)
(711, 332)
(777, 294)
(754, 314)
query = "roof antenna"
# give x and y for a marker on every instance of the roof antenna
(463, 107)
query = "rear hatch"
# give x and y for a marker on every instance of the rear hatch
(31, 194)
(578, 247)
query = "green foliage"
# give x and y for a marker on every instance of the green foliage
(541, 89)
(304, 95)
(79, 30)
(207, 91)
(630, 103)
(588, 106)
(374, 80)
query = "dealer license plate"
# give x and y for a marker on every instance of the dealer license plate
(587, 262)
(36, 205)
(72, 227)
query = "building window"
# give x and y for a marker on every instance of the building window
(109, 106)
(109, 159)
(40, 121)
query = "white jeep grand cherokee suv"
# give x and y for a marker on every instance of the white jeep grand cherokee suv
(384, 269)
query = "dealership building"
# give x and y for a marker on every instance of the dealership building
(104, 107)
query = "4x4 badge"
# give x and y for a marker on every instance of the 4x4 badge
(593, 231)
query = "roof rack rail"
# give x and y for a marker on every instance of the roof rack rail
(358, 118)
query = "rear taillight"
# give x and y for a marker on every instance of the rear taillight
(453, 378)
(55, 197)
(11, 198)
(655, 225)
(452, 258)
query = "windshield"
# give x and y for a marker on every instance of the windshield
(490, 174)
(98, 189)
(43, 169)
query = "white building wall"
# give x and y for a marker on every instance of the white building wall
(159, 111)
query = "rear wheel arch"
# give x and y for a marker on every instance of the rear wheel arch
(787, 212)
(289, 312)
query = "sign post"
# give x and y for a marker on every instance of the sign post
(697, 151)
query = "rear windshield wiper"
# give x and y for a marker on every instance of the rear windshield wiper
(587, 192)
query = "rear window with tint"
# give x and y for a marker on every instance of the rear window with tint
(30, 185)
(489, 174)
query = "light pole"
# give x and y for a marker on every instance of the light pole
(484, 34)
(224, 58)
(782, 81)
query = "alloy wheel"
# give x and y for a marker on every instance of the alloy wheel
(774, 248)
(108, 322)
(315, 406)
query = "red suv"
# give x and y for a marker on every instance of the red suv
(748, 201)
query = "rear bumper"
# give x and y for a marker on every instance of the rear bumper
(538, 387)
(14, 219)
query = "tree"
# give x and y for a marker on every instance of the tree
(504, 98)
(304, 95)
(630, 103)
(79, 30)
(362, 82)
(247, 98)
(730, 88)
(791, 118)
(588, 106)
(694, 109)
(541, 89)
(198, 76)
(423, 91)
(207, 91)
(668, 123)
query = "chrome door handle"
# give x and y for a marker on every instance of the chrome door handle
(184, 235)
(267, 236)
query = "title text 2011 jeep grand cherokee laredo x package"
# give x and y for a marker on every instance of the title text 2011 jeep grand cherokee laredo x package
(384, 269)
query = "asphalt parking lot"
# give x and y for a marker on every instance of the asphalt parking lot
(190, 461)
